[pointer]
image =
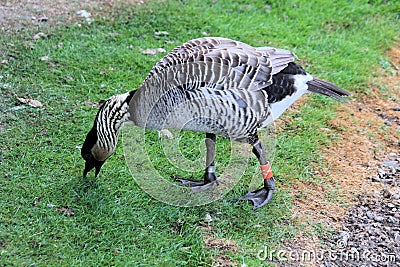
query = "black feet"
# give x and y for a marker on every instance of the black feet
(209, 180)
(261, 196)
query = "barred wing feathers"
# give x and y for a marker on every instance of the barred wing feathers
(224, 56)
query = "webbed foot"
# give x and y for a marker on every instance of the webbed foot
(260, 197)
(210, 179)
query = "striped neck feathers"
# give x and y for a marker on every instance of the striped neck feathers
(110, 118)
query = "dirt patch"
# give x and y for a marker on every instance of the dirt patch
(366, 139)
(370, 131)
(222, 246)
(16, 15)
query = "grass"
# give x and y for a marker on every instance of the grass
(115, 222)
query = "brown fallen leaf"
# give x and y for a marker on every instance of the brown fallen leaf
(31, 102)
(91, 104)
(45, 58)
(38, 36)
(67, 210)
(160, 33)
(35, 103)
(166, 133)
(153, 51)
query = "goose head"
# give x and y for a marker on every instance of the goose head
(93, 153)
(102, 139)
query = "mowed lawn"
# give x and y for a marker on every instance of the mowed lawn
(51, 216)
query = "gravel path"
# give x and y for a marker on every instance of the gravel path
(371, 231)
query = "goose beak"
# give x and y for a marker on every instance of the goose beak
(92, 165)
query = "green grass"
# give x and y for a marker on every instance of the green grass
(115, 222)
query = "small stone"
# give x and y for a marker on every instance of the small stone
(370, 215)
(83, 13)
(390, 163)
(208, 218)
(344, 238)
(396, 196)
(390, 219)
(376, 178)
(386, 193)
(397, 238)
(42, 19)
(378, 219)
(391, 205)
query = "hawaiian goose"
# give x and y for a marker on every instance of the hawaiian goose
(212, 85)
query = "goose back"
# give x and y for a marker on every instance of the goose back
(214, 85)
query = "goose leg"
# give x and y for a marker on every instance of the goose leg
(262, 196)
(209, 174)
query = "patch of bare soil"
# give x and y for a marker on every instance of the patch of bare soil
(370, 134)
(222, 245)
(16, 15)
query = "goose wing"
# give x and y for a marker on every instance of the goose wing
(220, 61)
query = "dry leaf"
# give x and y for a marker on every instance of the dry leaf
(83, 13)
(67, 211)
(38, 35)
(23, 100)
(45, 58)
(30, 102)
(91, 104)
(153, 51)
(167, 133)
(35, 103)
(160, 33)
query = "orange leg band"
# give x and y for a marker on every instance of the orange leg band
(266, 171)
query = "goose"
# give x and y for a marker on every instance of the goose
(213, 85)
